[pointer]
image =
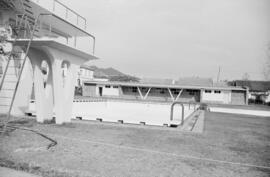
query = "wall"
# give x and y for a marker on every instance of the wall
(238, 97)
(223, 97)
(24, 91)
(109, 90)
(129, 111)
(262, 113)
(89, 89)
(84, 75)
(190, 96)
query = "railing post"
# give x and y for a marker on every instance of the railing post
(75, 41)
(66, 13)
(53, 5)
(183, 114)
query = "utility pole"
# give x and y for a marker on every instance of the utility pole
(218, 75)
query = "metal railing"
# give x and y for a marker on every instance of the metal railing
(67, 12)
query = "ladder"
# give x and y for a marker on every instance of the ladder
(10, 82)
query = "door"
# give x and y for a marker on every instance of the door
(100, 91)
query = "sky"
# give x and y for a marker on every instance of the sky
(179, 38)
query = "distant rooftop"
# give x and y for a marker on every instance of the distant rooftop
(186, 81)
(159, 85)
(257, 86)
(195, 81)
(156, 81)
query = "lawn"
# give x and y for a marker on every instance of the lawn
(231, 145)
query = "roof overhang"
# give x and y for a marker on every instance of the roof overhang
(138, 84)
(37, 43)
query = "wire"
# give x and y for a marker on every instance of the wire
(52, 144)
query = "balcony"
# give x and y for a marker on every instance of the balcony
(55, 22)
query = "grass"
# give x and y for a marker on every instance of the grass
(98, 149)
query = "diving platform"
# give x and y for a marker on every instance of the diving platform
(47, 35)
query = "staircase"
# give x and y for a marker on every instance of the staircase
(6, 5)
(9, 82)
(24, 27)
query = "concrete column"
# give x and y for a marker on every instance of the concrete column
(247, 96)
(201, 95)
(43, 95)
(63, 85)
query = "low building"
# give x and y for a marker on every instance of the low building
(259, 91)
(166, 92)
(85, 73)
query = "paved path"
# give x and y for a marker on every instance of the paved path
(7, 172)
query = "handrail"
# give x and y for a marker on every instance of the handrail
(183, 111)
(78, 16)
(67, 9)
(89, 35)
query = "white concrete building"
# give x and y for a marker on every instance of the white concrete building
(166, 92)
(85, 73)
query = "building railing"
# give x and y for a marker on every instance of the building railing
(63, 11)
(59, 11)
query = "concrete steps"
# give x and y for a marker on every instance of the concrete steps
(195, 122)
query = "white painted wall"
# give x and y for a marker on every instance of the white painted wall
(241, 111)
(128, 111)
(84, 75)
(110, 91)
(222, 97)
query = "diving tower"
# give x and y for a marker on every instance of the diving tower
(55, 41)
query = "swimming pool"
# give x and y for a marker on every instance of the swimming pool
(134, 112)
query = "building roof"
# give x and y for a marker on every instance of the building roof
(87, 67)
(185, 81)
(156, 81)
(257, 86)
(195, 81)
(138, 84)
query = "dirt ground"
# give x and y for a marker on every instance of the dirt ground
(231, 145)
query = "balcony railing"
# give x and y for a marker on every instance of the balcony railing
(63, 11)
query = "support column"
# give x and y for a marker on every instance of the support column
(139, 90)
(247, 95)
(43, 95)
(179, 94)
(63, 85)
(147, 93)
(172, 97)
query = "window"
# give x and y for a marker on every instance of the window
(191, 92)
(208, 91)
(217, 91)
(115, 86)
(107, 86)
(162, 91)
(134, 89)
